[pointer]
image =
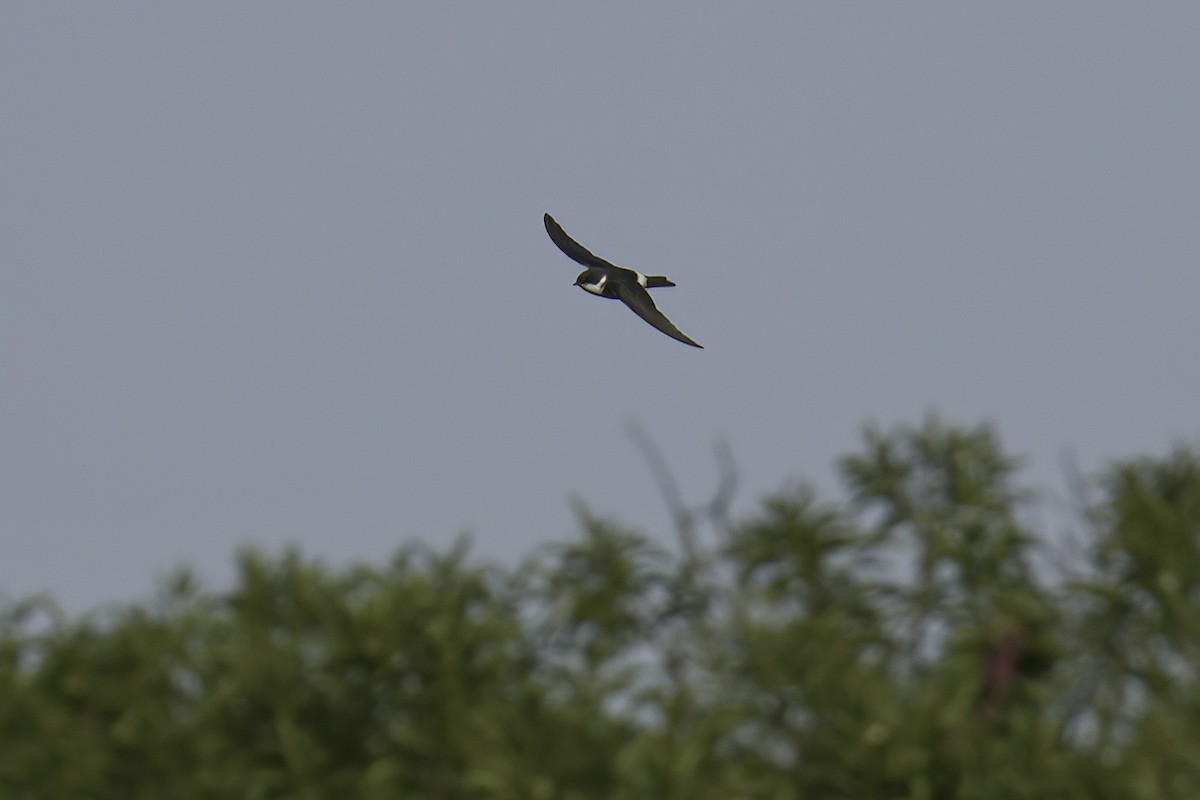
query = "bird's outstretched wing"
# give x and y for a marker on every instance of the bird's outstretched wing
(638, 299)
(572, 248)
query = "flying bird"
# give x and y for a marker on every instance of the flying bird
(606, 279)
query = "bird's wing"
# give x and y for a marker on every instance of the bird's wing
(574, 249)
(638, 299)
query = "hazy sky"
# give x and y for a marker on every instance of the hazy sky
(275, 273)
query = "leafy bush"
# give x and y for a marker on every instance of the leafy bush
(913, 641)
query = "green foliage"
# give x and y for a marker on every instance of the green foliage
(909, 642)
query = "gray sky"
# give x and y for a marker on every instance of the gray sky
(275, 273)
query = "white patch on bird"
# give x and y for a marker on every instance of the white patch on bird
(597, 287)
(641, 279)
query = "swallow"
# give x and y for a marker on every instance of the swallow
(605, 279)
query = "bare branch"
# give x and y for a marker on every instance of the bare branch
(715, 510)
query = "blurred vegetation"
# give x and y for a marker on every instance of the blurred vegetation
(919, 639)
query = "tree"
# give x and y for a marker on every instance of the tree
(909, 641)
